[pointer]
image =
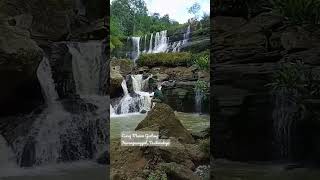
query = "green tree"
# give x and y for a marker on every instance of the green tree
(194, 9)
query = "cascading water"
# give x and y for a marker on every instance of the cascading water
(86, 66)
(150, 45)
(136, 48)
(285, 115)
(198, 101)
(140, 100)
(59, 135)
(145, 44)
(161, 42)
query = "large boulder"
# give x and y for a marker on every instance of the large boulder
(125, 65)
(115, 82)
(162, 118)
(19, 59)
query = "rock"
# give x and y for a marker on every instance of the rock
(161, 77)
(19, 59)
(115, 83)
(197, 45)
(104, 158)
(180, 73)
(176, 171)
(298, 38)
(310, 56)
(163, 116)
(143, 111)
(227, 24)
(125, 65)
(61, 67)
(201, 134)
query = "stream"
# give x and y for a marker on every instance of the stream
(124, 122)
(229, 170)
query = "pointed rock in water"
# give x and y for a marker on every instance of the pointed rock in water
(162, 117)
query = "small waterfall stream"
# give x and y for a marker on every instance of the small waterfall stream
(136, 47)
(198, 101)
(136, 101)
(59, 135)
(86, 66)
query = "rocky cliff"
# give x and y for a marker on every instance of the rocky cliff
(246, 54)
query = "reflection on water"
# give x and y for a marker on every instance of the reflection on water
(191, 121)
(65, 171)
(227, 170)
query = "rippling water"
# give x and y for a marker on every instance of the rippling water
(193, 122)
(66, 171)
(227, 170)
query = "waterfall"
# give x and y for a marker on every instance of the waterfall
(186, 35)
(112, 111)
(6, 154)
(136, 48)
(145, 44)
(124, 87)
(86, 66)
(150, 45)
(198, 101)
(285, 115)
(161, 42)
(140, 100)
(59, 135)
(45, 79)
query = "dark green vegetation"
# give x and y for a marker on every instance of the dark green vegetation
(130, 18)
(298, 11)
(296, 77)
(202, 60)
(165, 59)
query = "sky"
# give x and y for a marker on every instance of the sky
(177, 9)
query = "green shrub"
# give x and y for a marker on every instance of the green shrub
(165, 59)
(157, 175)
(205, 146)
(298, 11)
(201, 86)
(202, 60)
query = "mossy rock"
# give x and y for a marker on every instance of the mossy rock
(162, 117)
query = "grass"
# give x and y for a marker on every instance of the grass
(201, 60)
(165, 59)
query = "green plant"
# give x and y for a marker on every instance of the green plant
(165, 59)
(290, 76)
(298, 11)
(201, 86)
(157, 175)
(205, 146)
(202, 60)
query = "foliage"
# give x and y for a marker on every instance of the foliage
(133, 19)
(157, 175)
(202, 60)
(297, 81)
(205, 146)
(165, 59)
(194, 9)
(298, 11)
(201, 86)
